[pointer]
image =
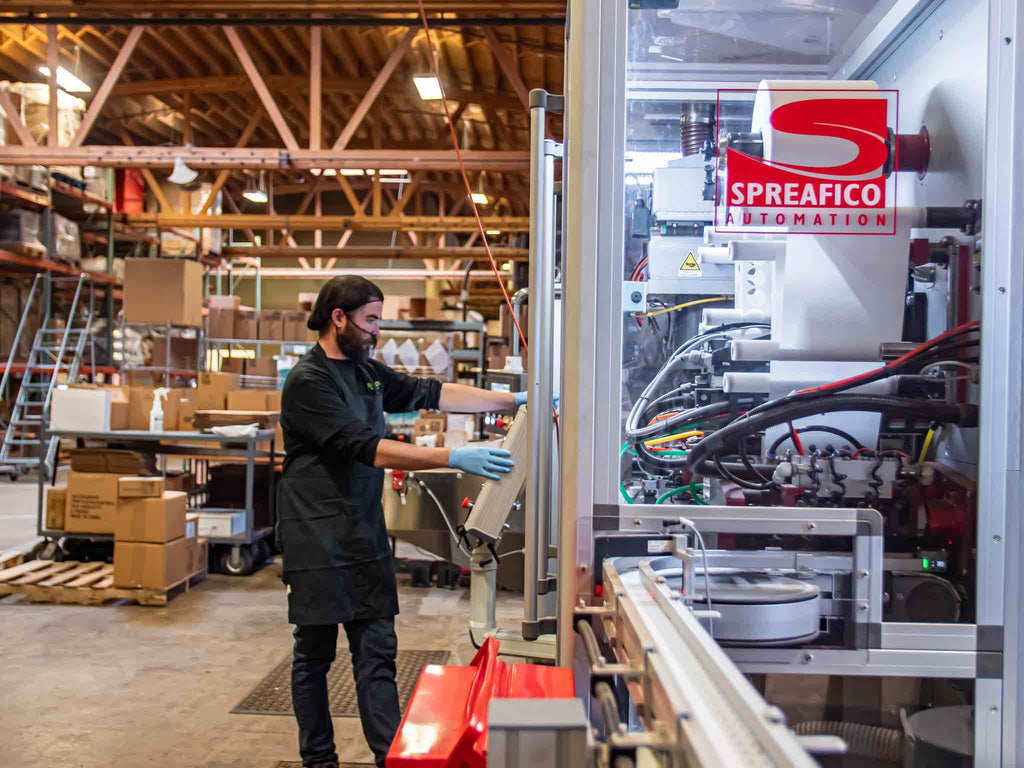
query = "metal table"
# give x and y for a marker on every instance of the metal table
(146, 442)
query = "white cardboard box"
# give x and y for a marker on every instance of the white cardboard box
(83, 410)
(213, 524)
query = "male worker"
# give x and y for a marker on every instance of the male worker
(337, 559)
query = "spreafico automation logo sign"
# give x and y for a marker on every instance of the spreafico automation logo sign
(814, 162)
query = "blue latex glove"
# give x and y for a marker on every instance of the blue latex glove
(481, 460)
(521, 400)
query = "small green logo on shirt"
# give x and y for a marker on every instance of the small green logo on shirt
(373, 386)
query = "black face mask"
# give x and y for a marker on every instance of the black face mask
(354, 342)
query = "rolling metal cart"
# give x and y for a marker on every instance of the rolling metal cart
(241, 552)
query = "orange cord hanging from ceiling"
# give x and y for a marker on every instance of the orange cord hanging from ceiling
(469, 191)
(465, 178)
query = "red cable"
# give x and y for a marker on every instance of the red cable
(902, 359)
(796, 439)
(465, 178)
(469, 193)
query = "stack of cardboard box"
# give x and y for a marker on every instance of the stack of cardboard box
(228, 319)
(151, 548)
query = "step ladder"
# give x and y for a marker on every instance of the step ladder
(56, 355)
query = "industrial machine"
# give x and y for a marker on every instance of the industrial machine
(788, 438)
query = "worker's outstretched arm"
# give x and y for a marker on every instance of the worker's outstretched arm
(476, 459)
(459, 398)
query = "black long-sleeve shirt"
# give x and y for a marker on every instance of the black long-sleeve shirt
(337, 558)
(317, 415)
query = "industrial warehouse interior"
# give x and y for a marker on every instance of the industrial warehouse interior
(523, 384)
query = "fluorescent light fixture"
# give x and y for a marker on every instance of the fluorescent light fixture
(256, 192)
(255, 196)
(316, 171)
(182, 174)
(479, 198)
(506, 267)
(428, 86)
(396, 180)
(330, 171)
(68, 80)
(393, 172)
(492, 232)
(353, 172)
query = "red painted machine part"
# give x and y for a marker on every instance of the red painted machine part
(445, 725)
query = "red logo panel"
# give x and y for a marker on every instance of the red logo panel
(826, 173)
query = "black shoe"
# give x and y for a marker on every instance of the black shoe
(329, 764)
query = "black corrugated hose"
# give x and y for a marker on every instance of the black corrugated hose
(964, 415)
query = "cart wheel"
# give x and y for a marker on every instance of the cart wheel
(263, 551)
(243, 566)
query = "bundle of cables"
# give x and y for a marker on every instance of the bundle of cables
(705, 458)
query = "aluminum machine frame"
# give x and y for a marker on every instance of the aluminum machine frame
(641, 614)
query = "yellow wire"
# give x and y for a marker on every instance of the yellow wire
(926, 446)
(684, 305)
(670, 438)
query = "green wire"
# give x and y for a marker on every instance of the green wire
(693, 492)
(622, 485)
(672, 492)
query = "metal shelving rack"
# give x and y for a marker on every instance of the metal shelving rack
(160, 443)
(169, 371)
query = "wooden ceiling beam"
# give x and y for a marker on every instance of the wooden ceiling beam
(96, 105)
(223, 175)
(14, 120)
(509, 66)
(377, 252)
(374, 90)
(261, 88)
(351, 84)
(333, 223)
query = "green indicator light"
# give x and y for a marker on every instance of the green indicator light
(924, 563)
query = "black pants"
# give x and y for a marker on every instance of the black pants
(373, 645)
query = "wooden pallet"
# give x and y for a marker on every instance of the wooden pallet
(46, 581)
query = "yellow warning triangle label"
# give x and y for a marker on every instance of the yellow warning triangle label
(690, 264)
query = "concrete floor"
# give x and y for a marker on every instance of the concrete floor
(86, 687)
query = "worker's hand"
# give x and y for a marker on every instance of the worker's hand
(520, 399)
(481, 460)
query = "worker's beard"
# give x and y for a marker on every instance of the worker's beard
(355, 344)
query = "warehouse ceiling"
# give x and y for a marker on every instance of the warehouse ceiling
(487, 64)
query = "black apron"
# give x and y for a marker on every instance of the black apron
(337, 556)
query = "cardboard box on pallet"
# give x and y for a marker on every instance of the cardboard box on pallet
(193, 547)
(56, 507)
(140, 487)
(163, 290)
(212, 393)
(149, 566)
(151, 520)
(92, 503)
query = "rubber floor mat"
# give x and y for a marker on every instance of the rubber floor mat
(298, 764)
(273, 694)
